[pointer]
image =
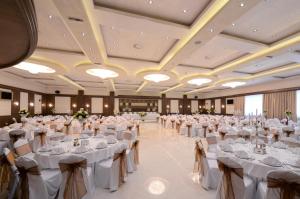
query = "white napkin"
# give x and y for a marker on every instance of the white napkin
(271, 161)
(111, 140)
(57, 150)
(226, 148)
(81, 149)
(101, 145)
(241, 154)
(241, 141)
(279, 145)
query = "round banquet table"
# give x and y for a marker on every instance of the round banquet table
(46, 160)
(254, 167)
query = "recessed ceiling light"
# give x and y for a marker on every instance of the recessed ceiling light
(233, 24)
(242, 4)
(197, 42)
(199, 81)
(112, 27)
(150, 1)
(34, 68)
(254, 30)
(185, 11)
(83, 34)
(142, 33)
(50, 16)
(156, 77)
(138, 46)
(211, 30)
(102, 73)
(233, 84)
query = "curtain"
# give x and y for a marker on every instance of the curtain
(239, 103)
(275, 104)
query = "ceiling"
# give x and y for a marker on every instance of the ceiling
(255, 41)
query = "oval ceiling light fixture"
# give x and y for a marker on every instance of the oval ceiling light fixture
(156, 77)
(199, 81)
(34, 68)
(233, 84)
(102, 73)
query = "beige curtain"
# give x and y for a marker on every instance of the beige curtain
(239, 103)
(277, 103)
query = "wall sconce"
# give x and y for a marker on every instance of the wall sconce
(212, 106)
(180, 106)
(87, 105)
(106, 105)
(189, 106)
(43, 105)
(31, 104)
(16, 103)
(74, 105)
(50, 105)
(223, 106)
(200, 106)
(168, 106)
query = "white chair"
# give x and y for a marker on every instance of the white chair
(208, 168)
(77, 178)
(23, 148)
(41, 184)
(279, 185)
(131, 152)
(234, 184)
(111, 173)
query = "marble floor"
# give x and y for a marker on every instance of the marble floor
(165, 170)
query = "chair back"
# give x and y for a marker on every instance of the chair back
(74, 177)
(4, 136)
(232, 184)
(285, 184)
(211, 140)
(22, 147)
(199, 156)
(127, 136)
(232, 136)
(16, 134)
(31, 183)
(9, 175)
(135, 150)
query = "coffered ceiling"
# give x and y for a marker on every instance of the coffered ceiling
(254, 41)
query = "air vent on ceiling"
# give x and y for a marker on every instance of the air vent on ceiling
(270, 56)
(75, 19)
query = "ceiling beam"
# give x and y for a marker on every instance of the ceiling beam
(142, 86)
(71, 82)
(172, 88)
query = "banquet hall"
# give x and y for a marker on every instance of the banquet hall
(168, 99)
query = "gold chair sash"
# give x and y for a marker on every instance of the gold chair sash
(123, 166)
(199, 155)
(135, 149)
(23, 150)
(75, 186)
(96, 129)
(24, 186)
(138, 129)
(42, 137)
(227, 182)
(4, 173)
(288, 190)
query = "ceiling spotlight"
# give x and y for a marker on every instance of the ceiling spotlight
(254, 30)
(83, 34)
(197, 42)
(150, 1)
(156, 77)
(34, 68)
(102, 73)
(233, 24)
(112, 27)
(50, 16)
(211, 30)
(185, 11)
(233, 84)
(199, 81)
(242, 4)
(138, 46)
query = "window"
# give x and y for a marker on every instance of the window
(298, 103)
(253, 104)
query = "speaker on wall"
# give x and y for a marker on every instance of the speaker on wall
(57, 92)
(196, 97)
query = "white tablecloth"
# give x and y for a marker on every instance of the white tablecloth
(257, 169)
(48, 161)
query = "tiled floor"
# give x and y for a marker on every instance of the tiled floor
(165, 170)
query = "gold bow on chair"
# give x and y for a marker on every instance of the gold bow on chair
(199, 155)
(287, 190)
(24, 186)
(123, 166)
(75, 186)
(23, 150)
(135, 149)
(227, 183)
(42, 136)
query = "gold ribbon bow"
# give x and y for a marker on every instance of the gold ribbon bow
(123, 166)
(227, 183)
(199, 155)
(42, 136)
(24, 186)
(75, 187)
(287, 190)
(135, 149)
